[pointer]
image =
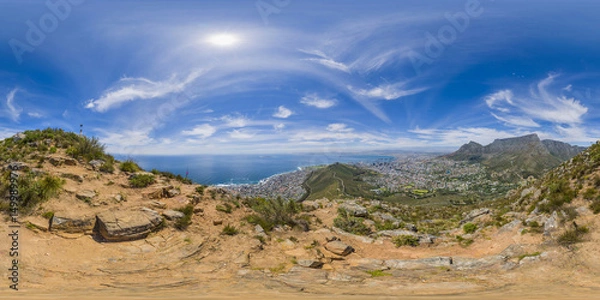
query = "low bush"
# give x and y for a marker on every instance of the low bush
(186, 221)
(141, 180)
(225, 207)
(469, 228)
(406, 240)
(272, 212)
(129, 166)
(230, 230)
(350, 223)
(572, 236)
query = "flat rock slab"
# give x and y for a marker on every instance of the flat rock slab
(85, 195)
(173, 214)
(309, 263)
(418, 264)
(120, 226)
(339, 248)
(72, 225)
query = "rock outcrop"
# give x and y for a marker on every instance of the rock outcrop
(72, 225)
(119, 226)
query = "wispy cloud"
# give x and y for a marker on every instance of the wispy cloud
(283, 113)
(13, 111)
(339, 127)
(386, 91)
(326, 61)
(540, 105)
(234, 121)
(200, 131)
(132, 89)
(315, 101)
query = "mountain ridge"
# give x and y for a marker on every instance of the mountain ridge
(526, 155)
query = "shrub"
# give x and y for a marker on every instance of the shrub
(469, 228)
(572, 236)
(200, 189)
(230, 230)
(186, 221)
(48, 215)
(406, 240)
(32, 190)
(107, 167)
(130, 166)
(141, 180)
(595, 206)
(226, 208)
(386, 225)
(350, 223)
(271, 213)
(87, 148)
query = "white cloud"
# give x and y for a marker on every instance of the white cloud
(282, 113)
(13, 111)
(241, 134)
(279, 127)
(459, 136)
(201, 131)
(315, 101)
(568, 88)
(339, 127)
(386, 91)
(131, 89)
(326, 61)
(235, 121)
(35, 115)
(540, 105)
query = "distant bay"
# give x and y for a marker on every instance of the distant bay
(243, 169)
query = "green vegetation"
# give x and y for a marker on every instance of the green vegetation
(386, 225)
(200, 189)
(464, 242)
(230, 230)
(469, 228)
(107, 167)
(186, 221)
(88, 149)
(378, 273)
(406, 240)
(225, 207)
(33, 190)
(130, 166)
(141, 180)
(572, 236)
(529, 255)
(272, 212)
(171, 176)
(558, 193)
(350, 223)
(595, 206)
(338, 181)
(48, 215)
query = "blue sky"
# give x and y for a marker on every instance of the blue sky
(268, 76)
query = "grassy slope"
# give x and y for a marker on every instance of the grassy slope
(338, 181)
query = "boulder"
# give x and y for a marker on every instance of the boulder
(474, 214)
(73, 177)
(72, 225)
(339, 248)
(395, 233)
(16, 166)
(18, 137)
(96, 164)
(173, 214)
(310, 206)
(172, 193)
(354, 209)
(551, 224)
(85, 195)
(309, 263)
(119, 226)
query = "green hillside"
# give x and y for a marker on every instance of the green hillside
(338, 181)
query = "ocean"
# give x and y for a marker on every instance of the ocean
(242, 169)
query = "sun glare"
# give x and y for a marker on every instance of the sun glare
(223, 40)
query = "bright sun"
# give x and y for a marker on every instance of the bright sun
(223, 40)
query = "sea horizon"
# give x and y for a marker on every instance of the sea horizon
(226, 169)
